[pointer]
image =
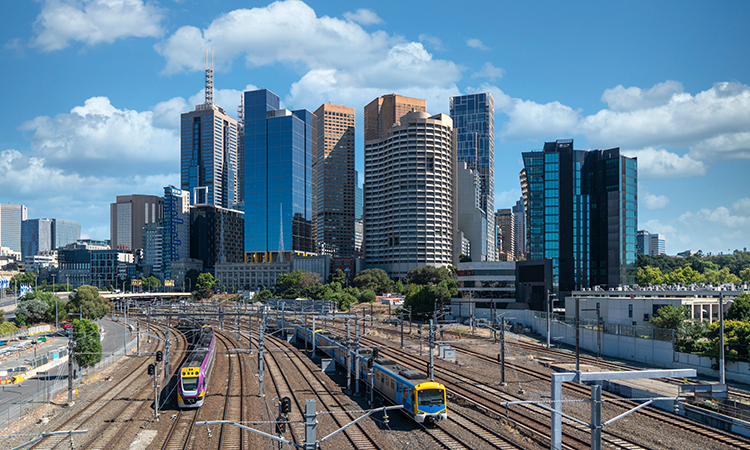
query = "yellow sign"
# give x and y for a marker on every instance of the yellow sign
(190, 371)
(136, 282)
(169, 283)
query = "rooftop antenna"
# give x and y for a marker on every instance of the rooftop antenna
(210, 78)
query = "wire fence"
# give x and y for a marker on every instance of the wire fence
(48, 384)
(639, 331)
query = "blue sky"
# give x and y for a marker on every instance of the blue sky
(93, 91)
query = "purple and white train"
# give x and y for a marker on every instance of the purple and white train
(196, 371)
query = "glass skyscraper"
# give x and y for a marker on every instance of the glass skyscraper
(176, 231)
(64, 232)
(581, 209)
(474, 121)
(11, 217)
(278, 179)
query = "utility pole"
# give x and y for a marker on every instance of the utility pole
(148, 324)
(138, 339)
(70, 367)
(432, 353)
(260, 352)
(348, 357)
(502, 352)
(401, 319)
(549, 319)
(166, 348)
(356, 357)
(722, 378)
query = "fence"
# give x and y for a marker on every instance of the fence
(50, 384)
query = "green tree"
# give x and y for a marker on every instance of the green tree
(2, 316)
(463, 258)
(398, 288)
(50, 300)
(204, 287)
(685, 275)
(428, 275)
(374, 279)
(87, 347)
(670, 317)
(739, 310)
(20, 320)
(736, 340)
(339, 277)
(745, 274)
(89, 302)
(262, 295)
(650, 276)
(33, 309)
(367, 296)
(27, 277)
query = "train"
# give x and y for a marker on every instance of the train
(423, 400)
(196, 370)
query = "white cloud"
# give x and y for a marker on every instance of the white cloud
(651, 201)
(363, 17)
(529, 120)
(434, 42)
(660, 163)
(724, 146)
(489, 71)
(507, 199)
(476, 43)
(719, 216)
(742, 205)
(94, 22)
(634, 98)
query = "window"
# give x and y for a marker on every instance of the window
(645, 317)
(630, 311)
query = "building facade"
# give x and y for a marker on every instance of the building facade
(36, 237)
(385, 112)
(334, 180)
(153, 247)
(519, 215)
(128, 215)
(216, 235)
(650, 244)
(582, 214)
(11, 217)
(251, 276)
(278, 179)
(409, 195)
(506, 223)
(470, 218)
(474, 121)
(176, 229)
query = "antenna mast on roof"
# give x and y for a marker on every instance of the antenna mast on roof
(210, 78)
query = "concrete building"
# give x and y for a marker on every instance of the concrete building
(334, 180)
(506, 223)
(251, 276)
(386, 111)
(474, 121)
(409, 195)
(11, 217)
(176, 229)
(519, 214)
(98, 268)
(320, 265)
(471, 219)
(128, 215)
(485, 290)
(180, 268)
(581, 210)
(153, 248)
(278, 179)
(208, 153)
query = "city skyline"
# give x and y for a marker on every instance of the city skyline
(96, 108)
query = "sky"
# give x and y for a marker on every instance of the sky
(94, 89)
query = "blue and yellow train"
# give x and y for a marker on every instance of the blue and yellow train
(422, 399)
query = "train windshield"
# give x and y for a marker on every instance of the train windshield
(189, 383)
(431, 397)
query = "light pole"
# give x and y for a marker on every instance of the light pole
(722, 379)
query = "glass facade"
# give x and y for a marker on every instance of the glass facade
(278, 178)
(474, 121)
(11, 217)
(65, 232)
(582, 214)
(176, 231)
(36, 236)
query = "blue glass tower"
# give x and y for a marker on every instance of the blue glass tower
(474, 121)
(581, 209)
(278, 178)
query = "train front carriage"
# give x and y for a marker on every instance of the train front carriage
(430, 402)
(192, 392)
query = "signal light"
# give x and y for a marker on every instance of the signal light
(159, 356)
(286, 405)
(151, 369)
(280, 425)
(369, 364)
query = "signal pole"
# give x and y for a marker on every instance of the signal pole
(432, 353)
(260, 353)
(70, 367)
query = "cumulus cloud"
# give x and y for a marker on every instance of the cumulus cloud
(634, 98)
(660, 163)
(363, 17)
(651, 201)
(434, 42)
(720, 216)
(489, 71)
(476, 43)
(94, 22)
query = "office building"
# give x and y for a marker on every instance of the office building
(36, 236)
(176, 229)
(519, 215)
(216, 235)
(358, 209)
(153, 248)
(128, 215)
(506, 243)
(334, 180)
(64, 232)
(98, 268)
(650, 244)
(251, 276)
(384, 112)
(474, 121)
(470, 218)
(582, 214)
(278, 179)
(208, 153)
(409, 195)
(11, 217)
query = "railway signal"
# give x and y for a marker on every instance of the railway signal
(159, 356)
(286, 405)
(151, 369)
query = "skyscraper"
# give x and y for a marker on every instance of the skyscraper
(128, 215)
(470, 219)
(208, 162)
(474, 121)
(582, 213)
(64, 232)
(176, 238)
(409, 195)
(650, 244)
(506, 223)
(11, 217)
(384, 112)
(519, 214)
(334, 180)
(36, 236)
(278, 179)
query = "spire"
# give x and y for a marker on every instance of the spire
(210, 78)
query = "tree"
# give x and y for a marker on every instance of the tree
(428, 275)
(20, 320)
(28, 277)
(650, 275)
(87, 301)
(339, 277)
(34, 310)
(204, 287)
(398, 288)
(739, 310)
(87, 348)
(670, 317)
(745, 274)
(309, 279)
(263, 295)
(50, 301)
(374, 279)
(2, 316)
(367, 296)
